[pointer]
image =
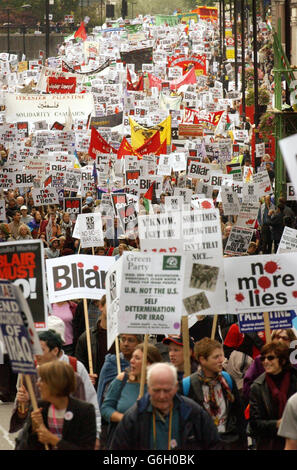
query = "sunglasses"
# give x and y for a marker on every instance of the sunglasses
(269, 358)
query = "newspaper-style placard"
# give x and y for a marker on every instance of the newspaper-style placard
(2, 211)
(173, 203)
(204, 274)
(248, 322)
(150, 299)
(88, 228)
(204, 188)
(77, 277)
(14, 332)
(250, 193)
(160, 233)
(72, 179)
(261, 283)
(185, 193)
(199, 202)
(288, 241)
(113, 289)
(25, 178)
(43, 197)
(248, 215)
(230, 201)
(22, 263)
(263, 183)
(238, 241)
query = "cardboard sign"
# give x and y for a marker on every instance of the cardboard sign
(15, 334)
(231, 204)
(238, 241)
(88, 229)
(288, 241)
(248, 215)
(72, 205)
(261, 283)
(77, 277)
(291, 195)
(22, 263)
(150, 293)
(44, 197)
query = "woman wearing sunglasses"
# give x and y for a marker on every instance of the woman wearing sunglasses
(269, 394)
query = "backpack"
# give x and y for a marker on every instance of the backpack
(187, 382)
(73, 363)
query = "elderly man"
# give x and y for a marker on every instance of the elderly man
(164, 420)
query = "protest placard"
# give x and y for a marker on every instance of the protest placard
(247, 215)
(291, 195)
(248, 322)
(72, 205)
(238, 241)
(230, 201)
(22, 263)
(44, 197)
(288, 241)
(150, 293)
(261, 283)
(17, 330)
(88, 229)
(77, 277)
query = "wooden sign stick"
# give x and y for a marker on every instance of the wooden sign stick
(143, 367)
(186, 343)
(86, 314)
(117, 347)
(214, 326)
(33, 397)
(267, 327)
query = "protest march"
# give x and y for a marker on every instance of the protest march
(147, 267)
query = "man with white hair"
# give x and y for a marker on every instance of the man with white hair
(164, 420)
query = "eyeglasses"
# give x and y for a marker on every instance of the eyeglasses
(269, 358)
(123, 339)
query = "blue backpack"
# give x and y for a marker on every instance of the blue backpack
(187, 382)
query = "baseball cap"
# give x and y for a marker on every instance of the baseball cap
(23, 207)
(177, 339)
(89, 200)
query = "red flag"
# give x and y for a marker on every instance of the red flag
(98, 144)
(162, 150)
(81, 32)
(139, 86)
(61, 85)
(125, 149)
(151, 145)
(187, 79)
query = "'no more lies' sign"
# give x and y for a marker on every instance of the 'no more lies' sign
(261, 283)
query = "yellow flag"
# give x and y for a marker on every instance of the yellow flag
(140, 134)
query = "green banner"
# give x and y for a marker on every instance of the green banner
(166, 19)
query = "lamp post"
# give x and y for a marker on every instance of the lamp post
(255, 50)
(8, 30)
(242, 16)
(235, 45)
(47, 28)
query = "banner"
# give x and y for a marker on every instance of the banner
(77, 277)
(261, 283)
(255, 322)
(111, 120)
(138, 57)
(22, 263)
(52, 108)
(61, 85)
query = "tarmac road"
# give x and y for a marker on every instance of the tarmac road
(6, 440)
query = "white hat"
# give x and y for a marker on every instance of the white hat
(55, 323)
(23, 208)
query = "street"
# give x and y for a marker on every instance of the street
(6, 439)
